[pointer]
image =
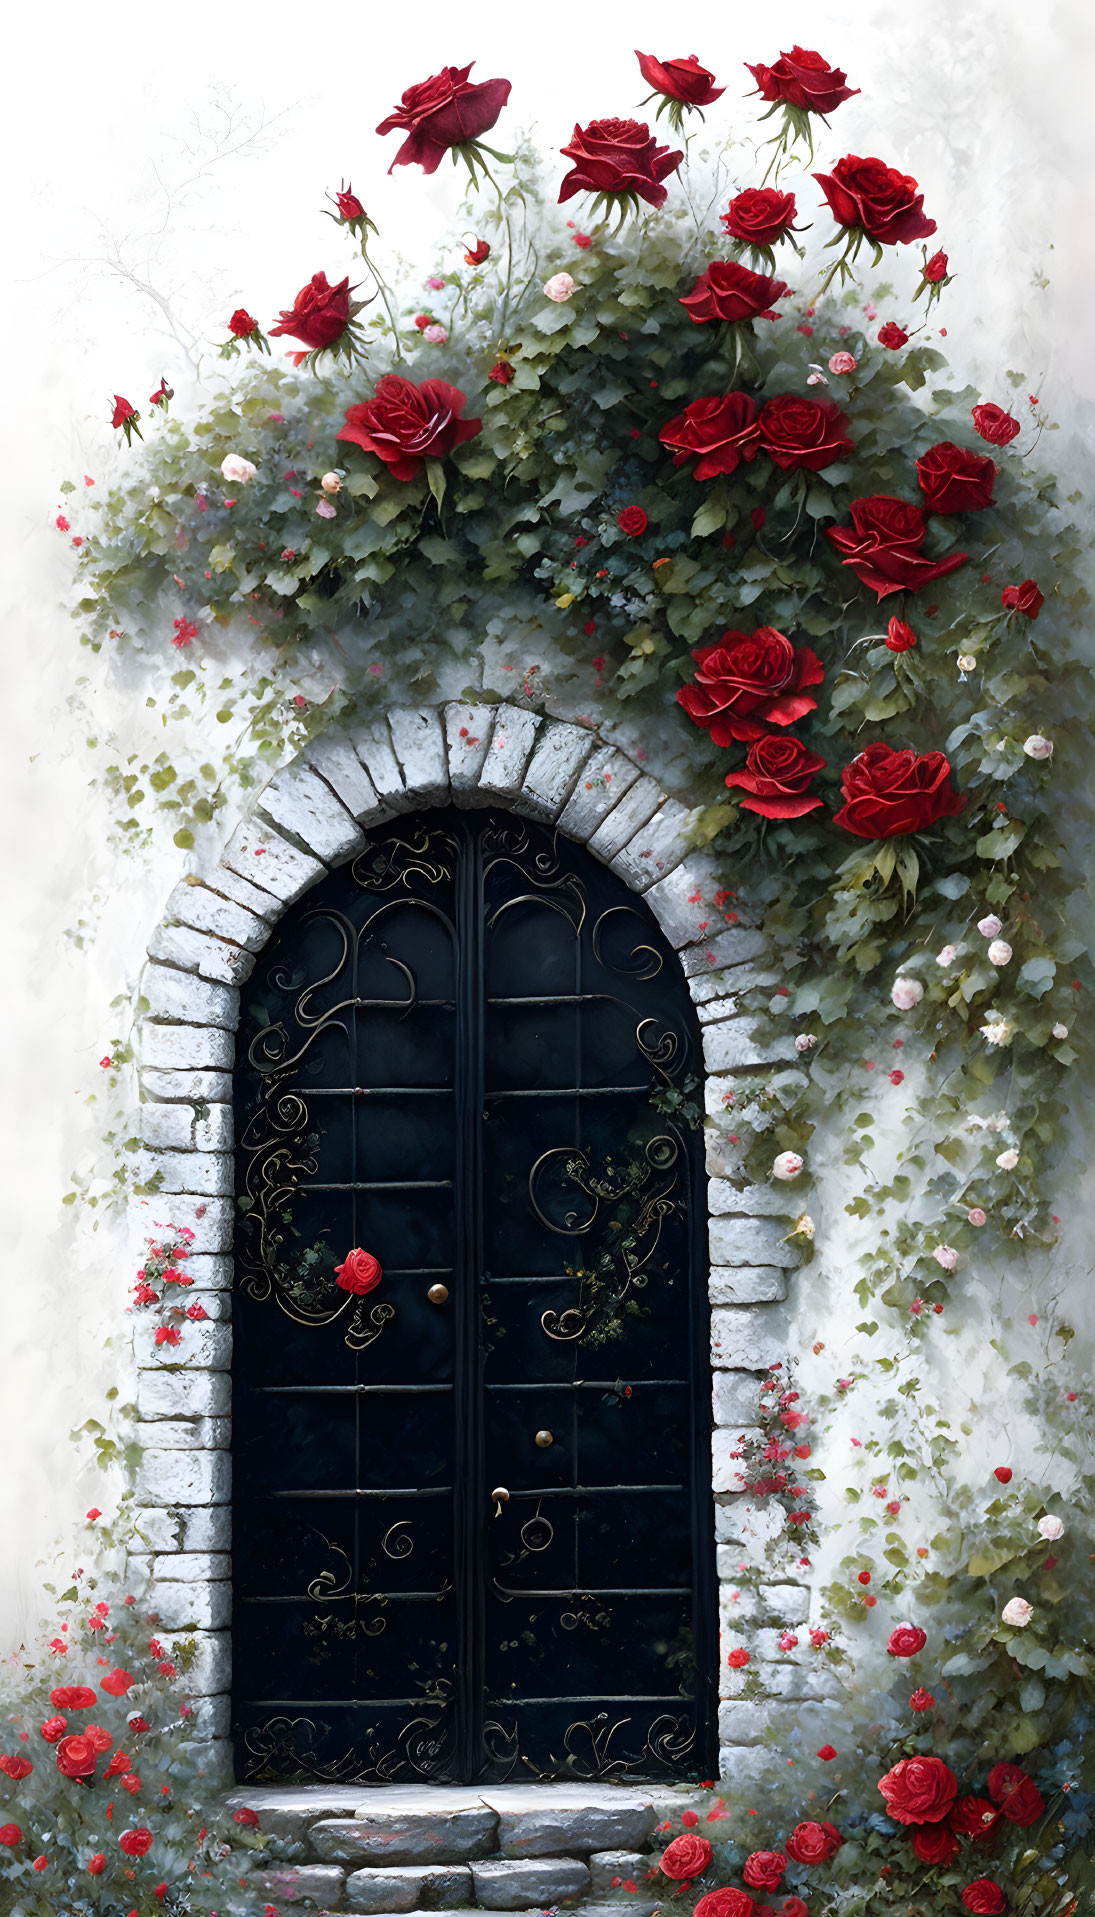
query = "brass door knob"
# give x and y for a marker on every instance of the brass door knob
(501, 1497)
(544, 1438)
(438, 1294)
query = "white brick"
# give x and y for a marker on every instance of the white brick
(192, 1567)
(194, 1083)
(745, 1284)
(303, 805)
(187, 1528)
(183, 1394)
(332, 755)
(215, 1304)
(728, 1465)
(210, 1724)
(192, 1606)
(510, 749)
(172, 994)
(743, 979)
(184, 1477)
(751, 1241)
(736, 1398)
(467, 736)
(211, 1271)
(682, 900)
(637, 806)
(210, 1220)
(746, 1337)
(757, 1201)
(243, 888)
(182, 1047)
(733, 947)
(205, 908)
(730, 1045)
(191, 1434)
(788, 1603)
(200, 952)
(205, 1346)
(286, 872)
(211, 1172)
(419, 742)
(210, 1674)
(558, 755)
(657, 848)
(373, 745)
(605, 779)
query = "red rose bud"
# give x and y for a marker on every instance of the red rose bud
(867, 196)
(126, 417)
(682, 80)
(1003, 1473)
(10, 1834)
(319, 315)
(883, 544)
(136, 1843)
(54, 1728)
(247, 1816)
(936, 269)
(241, 325)
(760, 216)
(889, 793)
(921, 1700)
(993, 424)
(632, 521)
(891, 335)
(804, 80)
(826, 1753)
(1025, 599)
(476, 254)
(116, 1683)
(16, 1768)
(1019, 1798)
(619, 159)
(95, 1865)
(811, 1842)
(728, 291)
(73, 1697)
(349, 206)
(405, 424)
(501, 372)
(163, 393)
(899, 636)
(775, 776)
(447, 110)
(975, 1818)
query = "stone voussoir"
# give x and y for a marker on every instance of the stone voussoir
(467, 737)
(303, 805)
(205, 909)
(603, 781)
(418, 739)
(657, 848)
(518, 1883)
(287, 872)
(558, 756)
(509, 752)
(332, 756)
(637, 806)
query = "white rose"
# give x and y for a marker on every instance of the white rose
(1051, 1529)
(1038, 746)
(947, 956)
(331, 482)
(989, 927)
(946, 1256)
(805, 1042)
(804, 1224)
(1060, 1031)
(966, 662)
(906, 993)
(787, 1165)
(999, 952)
(559, 287)
(235, 470)
(1017, 1611)
(998, 1031)
(1008, 1160)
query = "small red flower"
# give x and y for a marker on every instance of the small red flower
(936, 269)
(892, 335)
(136, 1843)
(241, 325)
(993, 424)
(95, 1865)
(738, 1658)
(476, 254)
(906, 1641)
(168, 1335)
(16, 1767)
(54, 1729)
(247, 1816)
(501, 372)
(632, 521)
(826, 1753)
(899, 636)
(1025, 598)
(123, 411)
(1003, 1473)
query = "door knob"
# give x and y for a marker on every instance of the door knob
(438, 1294)
(544, 1438)
(501, 1497)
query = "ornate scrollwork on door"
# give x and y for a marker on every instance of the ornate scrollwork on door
(629, 1202)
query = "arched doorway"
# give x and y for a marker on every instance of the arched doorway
(472, 1505)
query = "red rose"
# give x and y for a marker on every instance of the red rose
(116, 1683)
(247, 1816)
(729, 291)
(10, 1834)
(131, 1783)
(95, 1865)
(906, 1640)
(717, 432)
(122, 411)
(804, 80)
(888, 793)
(935, 1843)
(763, 1869)
(776, 774)
(241, 324)
(138, 1724)
(73, 1697)
(136, 1843)
(760, 216)
(54, 1728)
(16, 1767)
(725, 1903)
(870, 197)
(899, 636)
(444, 111)
(319, 315)
(918, 1790)
(686, 1856)
(76, 1757)
(405, 424)
(813, 1843)
(349, 206)
(955, 481)
(618, 156)
(632, 521)
(975, 1818)
(476, 254)
(891, 335)
(99, 1739)
(936, 268)
(921, 1700)
(501, 372)
(805, 434)
(684, 79)
(984, 1897)
(1025, 598)
(793, 1907)
(749, 681)
(882, 547)
(1020, 1800)
(994, 424)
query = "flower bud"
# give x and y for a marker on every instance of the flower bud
(236, 470)
(998, 1032)
(842, 363)
(805, 1042)
(976, 1216)
(906, 993)
(331, 483)
(1060, 1031)
(786, 1165)
(946, 1256)
(989, 927)
(1051, 1529)
(967, 662)
(999, 952)
(1038, 746)
(1008, 1160)
(1017, 1611)
(947, 956)
(559, 287)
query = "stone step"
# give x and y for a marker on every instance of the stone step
(515, 1883)
(408, 1837)
(409, 1887)
(300, 1883)
(560, 1830)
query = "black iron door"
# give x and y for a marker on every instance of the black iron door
(472, 1497)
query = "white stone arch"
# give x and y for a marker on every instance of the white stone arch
(309, 818)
